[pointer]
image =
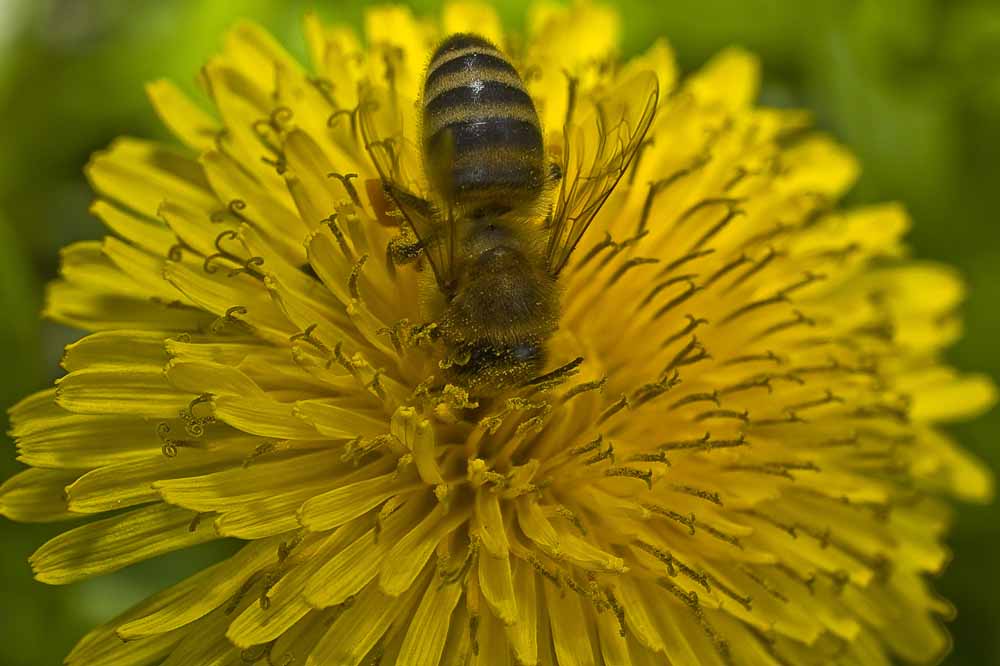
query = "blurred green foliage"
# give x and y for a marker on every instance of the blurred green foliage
(913, 86)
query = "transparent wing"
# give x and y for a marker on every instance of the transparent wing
(397, 162)
(596, 154)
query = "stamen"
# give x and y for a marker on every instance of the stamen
(596, 385)
(593, 445)
(628, 265)
(706, 495)
(753, 305)
(798, 320)
(559, 375)
(770, 234)
(617, 609)
(745, 601)
(567, 513)
(691, 291)
(654, 190)
(345, 180)
(729, 202)
(324, 87)
(763, 381)
(743, 416)
(352, 115)
(725, 270)
(597, 249)
(757, 267)
(544, 571)
(705, 443)
(352, 281)
(660, 457)
(613, 409)
(782, 469)
(648, 392)
(249, 267)
(753, 358)
(692, 353)
(692, 324)
(606, 454)
(175, 253)
(827, 399)
(661, 555)
(646, 476)
(331, 222)
(808, 278)
(712, 397)
(687, 521)
(732, 214)
(690, 256)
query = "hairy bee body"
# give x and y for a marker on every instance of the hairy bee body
(492, 220)
(482, 140)
(484, 154)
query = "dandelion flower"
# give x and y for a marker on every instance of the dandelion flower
(745, 467)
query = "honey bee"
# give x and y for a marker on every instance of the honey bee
(495, 221)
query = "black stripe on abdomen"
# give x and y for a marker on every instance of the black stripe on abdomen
(479, 93)
(511, 178)
(485, 133)
(481, 62)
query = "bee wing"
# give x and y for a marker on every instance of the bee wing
(397, 163)
(596, 154)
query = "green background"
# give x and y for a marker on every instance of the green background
(913, 86)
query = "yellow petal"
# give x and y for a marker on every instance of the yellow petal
(497, 586)
(364, 622)
(425, 638)
(959, 399)
(149, 235)
(116, 348)
(262, 623)
(130, 483)
(569, 624)
(140, 391)
(638, 617)
(537, 527)
(333, 420)
(142, 174)
(200, 646)
(730, 78)
(36, 496)
(80, 306)
(196, 128)
(150, 650)
(475, 17)
(264, 417)
(614, 646)
(350, 500)
(260, 480)
(489, 523)
(523, 634)
(493, 647)
(408, 557)
(214, 378)
(198, 595)
(113, 543)
(347, 572)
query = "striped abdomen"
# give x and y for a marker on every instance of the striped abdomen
(482, 140)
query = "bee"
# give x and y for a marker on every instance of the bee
(494, 219)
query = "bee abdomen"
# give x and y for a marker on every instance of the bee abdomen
(482, 139)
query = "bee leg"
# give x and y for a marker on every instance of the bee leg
(555, 172)
(403, 249)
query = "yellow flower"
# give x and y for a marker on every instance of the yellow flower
(744, 469)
